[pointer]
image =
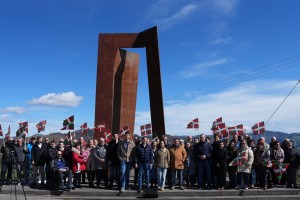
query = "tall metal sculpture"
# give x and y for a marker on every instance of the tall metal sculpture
(116, 85)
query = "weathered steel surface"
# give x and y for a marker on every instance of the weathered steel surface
(106, 92)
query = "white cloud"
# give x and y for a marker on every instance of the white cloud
(4, 116)
(16, 110)
(244, 104)
(220, 41)
(200, 68)
(176, 17)
(224, 7)
(59, 99)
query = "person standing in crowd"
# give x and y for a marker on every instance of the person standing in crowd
(113, 161)
(67, 155)
(126, 155)
(276, 154)
(186, 171)
(137, 142)
(291, 157)
(39, 153)
(252, 175)
(232, 154)
(29, 157)
(236, 141)
(215, 145)
(177, 158)
(77, 159)
(6, 168)
(101, 163)
(20, 155)
(220, 161)
(202, 153)
(162, 161)
(153, 171)
(51, 154)
(261, 158)
(83, 151)
(47, 142)
(143, 162)
(89, 151)
(273, 140)
(244, 168)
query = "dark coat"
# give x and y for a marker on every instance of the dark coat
(220, 157)
(112, 153)
(5, 154)
(203, 148)
(291, 156)
(67, 155)
(144, 155)
(38, 155)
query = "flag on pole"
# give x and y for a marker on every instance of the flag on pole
(239, 160)
(7, 135)
(216, 123)
(279, 169)
(23, 129)
(258, 128)
(124, 130)
(108, 135)
(221, 130)
(1, 133)
(193, 124)
(68, 123)
(84, 128)
(146, 129)
(236, 130)
(41, 126)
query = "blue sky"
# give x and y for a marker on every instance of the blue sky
(236, 58)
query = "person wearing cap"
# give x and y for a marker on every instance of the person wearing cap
(261, 158)
(126, 155)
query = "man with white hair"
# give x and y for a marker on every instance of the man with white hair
(101, 160)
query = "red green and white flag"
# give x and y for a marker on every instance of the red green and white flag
(221, 130)
(68, 123)
(193, 124)
(239, 160)
(146, 130)
(84, 128)
(258, 128)
(23, 129)
(236, 130)
(124, 130)
(41, 126)
(108, 135)
(7, 135)
(216, 123)
(279, 169)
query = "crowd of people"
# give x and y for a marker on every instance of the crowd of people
(197, 163)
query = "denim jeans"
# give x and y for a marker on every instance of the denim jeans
(204, 170)
(161, 176)
(240, 176)
(125, 168)
(114, 175)
(179, 173)
(143, 169)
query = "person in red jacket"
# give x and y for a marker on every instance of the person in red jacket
(77, 158)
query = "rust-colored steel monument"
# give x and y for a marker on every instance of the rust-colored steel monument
(117, 79)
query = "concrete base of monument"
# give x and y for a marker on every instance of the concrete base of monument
(91, 193)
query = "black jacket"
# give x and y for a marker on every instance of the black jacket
(112, 154)
(67, 155)
(144, 155)
(291, 156)
(5, 154)
(38, 155)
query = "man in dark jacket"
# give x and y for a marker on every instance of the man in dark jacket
(51, 154)
(20, 154)
(38, 154)
(144, 162)
(6, 167)
(202, 153)
(290, 156)
(113, 161)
